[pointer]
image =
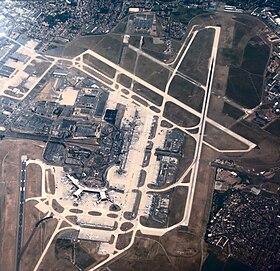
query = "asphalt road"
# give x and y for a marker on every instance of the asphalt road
(20, 226)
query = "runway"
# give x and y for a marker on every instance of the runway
(20, 226)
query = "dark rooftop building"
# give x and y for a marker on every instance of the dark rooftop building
(6, 71)
(101, 104)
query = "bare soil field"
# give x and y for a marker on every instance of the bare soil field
(267, 153)
(33, 181)
(50, 182)
(38, 241)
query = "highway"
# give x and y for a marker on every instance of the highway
(20, 226)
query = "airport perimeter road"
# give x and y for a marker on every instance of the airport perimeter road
(20, 226)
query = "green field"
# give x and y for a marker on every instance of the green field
(187, 93)
(152, 72)
(196, 61)
(241, 34)
(179, 116)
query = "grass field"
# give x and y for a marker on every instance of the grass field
(120, 27)
(148, 44)
(152, 72)
(124, 80)
(38, 241)
(247, 58)
(32, 253)
(179, 115)
(187, 93)
(187, 158)
(232, 111)
(109, 46)
(274, 128)
(147, 94)
(99, 65)
(243, 88)
(139, 100)
(255, 56)
(232, 56)
(123, 240)
(222, 140)
(97, 76)
(135, 41)
(60, 254)
(157, 50)
(184, 15)
(128, 60)
(176, 207)
(196, 61)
